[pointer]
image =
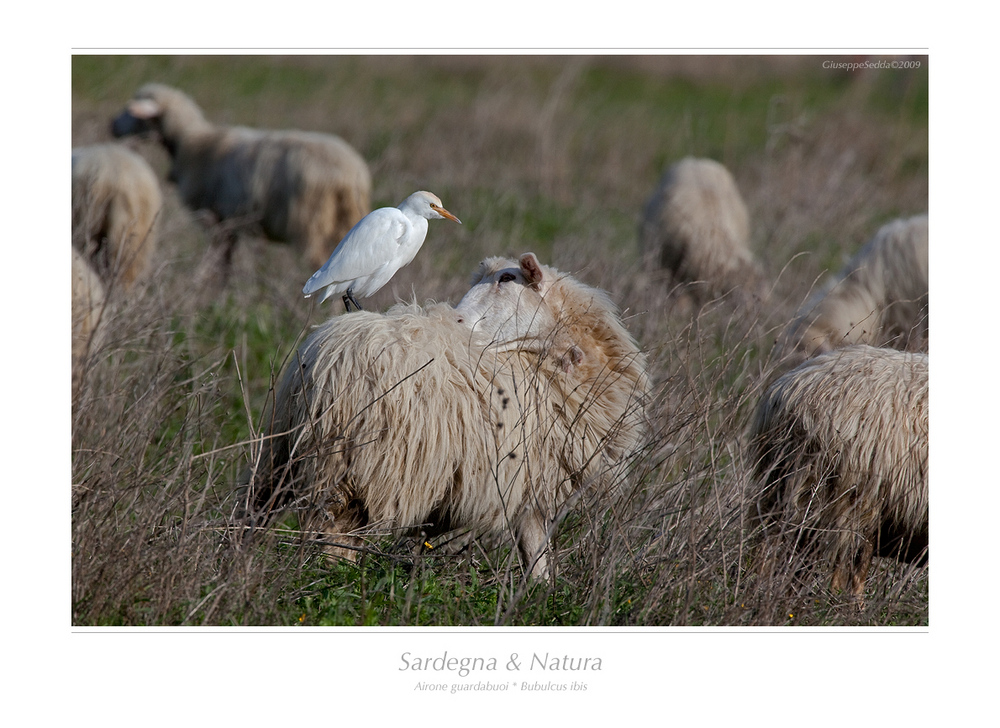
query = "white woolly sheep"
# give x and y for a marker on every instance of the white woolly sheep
(696, 226)
(880, 298)
(423, 417)
(88, 308)
(116, 211)
(839, 450)
(304, 188)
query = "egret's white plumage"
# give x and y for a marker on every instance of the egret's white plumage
(380, 244)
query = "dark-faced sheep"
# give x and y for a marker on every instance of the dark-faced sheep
(489, 416)
(305, 188)
(116, 210)
(880, 298)
(87, 310)
(697, 227)
(839, 450)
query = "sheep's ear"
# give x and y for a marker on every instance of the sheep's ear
(531, 269)
(144, 108)
(571, 358)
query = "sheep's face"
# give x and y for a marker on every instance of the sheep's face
(141, 115)
(506, 305)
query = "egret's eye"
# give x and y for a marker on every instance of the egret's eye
(506, 277)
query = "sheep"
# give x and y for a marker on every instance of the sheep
(433, 418)
(116, 210)
(696, 226)
(839, 453)
(87, 311)
(304, 188)
(880, 298)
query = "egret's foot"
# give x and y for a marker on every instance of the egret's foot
(349, 299)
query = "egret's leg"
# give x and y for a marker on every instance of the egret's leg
(349, 299)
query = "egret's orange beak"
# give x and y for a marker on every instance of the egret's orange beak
(445, 213)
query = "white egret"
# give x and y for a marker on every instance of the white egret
(380, 244)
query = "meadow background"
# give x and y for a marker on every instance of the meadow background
(555, 155)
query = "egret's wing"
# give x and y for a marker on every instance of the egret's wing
(367, 247)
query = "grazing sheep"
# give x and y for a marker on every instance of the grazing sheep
(839, 447)
(116, 210)
(696, 226)
(88, 307)
(431, 417)
(305, 188)
(880, 298)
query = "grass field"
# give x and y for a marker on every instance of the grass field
(554, 155)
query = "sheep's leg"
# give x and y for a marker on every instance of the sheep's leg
(218, 260)
(349, 299)
(767, 559)
(851, 573)
(532, 540)
(345, 546)
(228, 245)
(859, 575)
(335, 528)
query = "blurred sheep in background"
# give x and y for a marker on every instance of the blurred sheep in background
(116, 210)
(305, 188)
(87, 311)
(880, 298)
(696, 226)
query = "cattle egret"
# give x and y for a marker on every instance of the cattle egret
(380, 244)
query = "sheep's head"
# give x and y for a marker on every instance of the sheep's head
(506, 304)
(161, 110)
(525, 306)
